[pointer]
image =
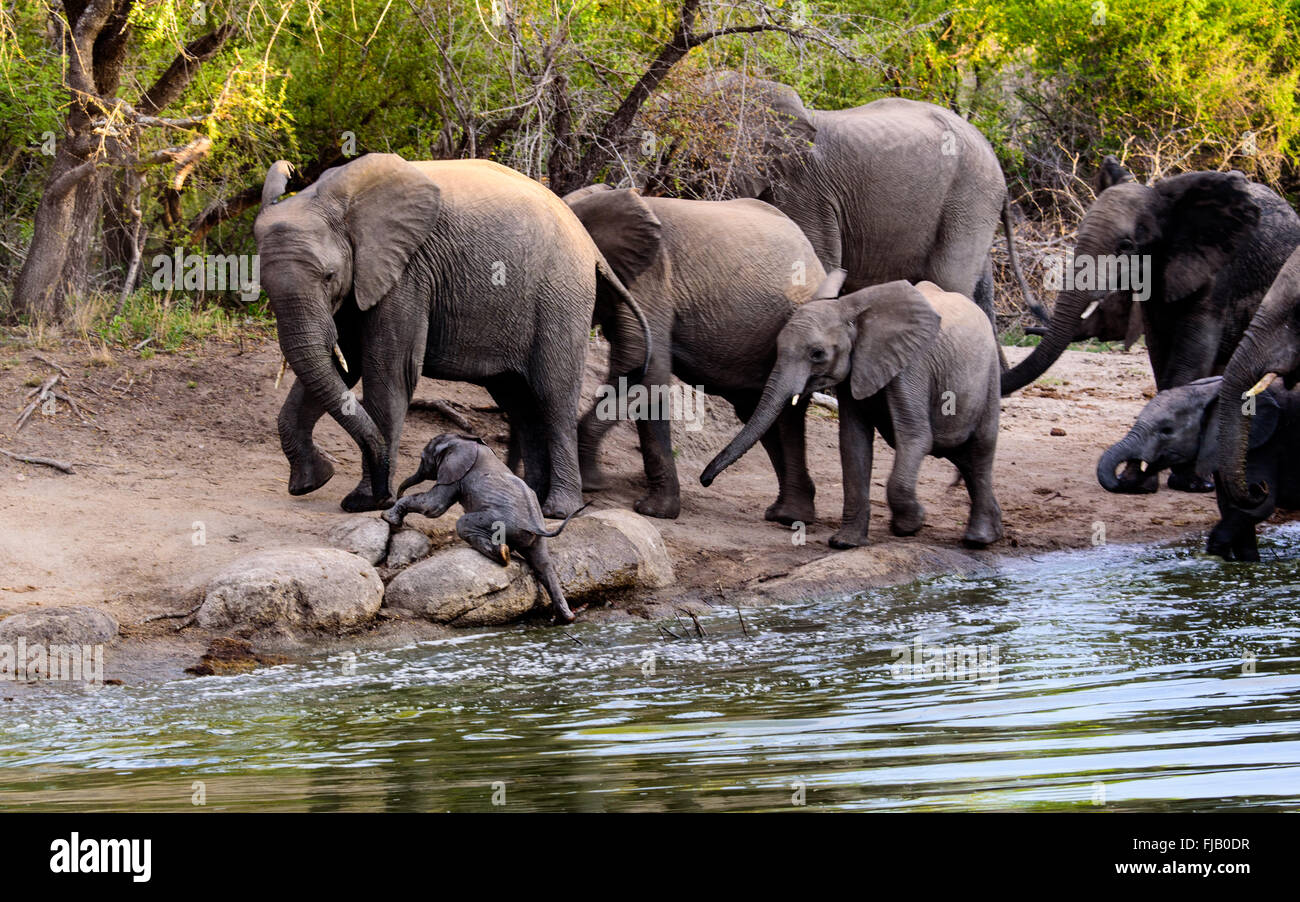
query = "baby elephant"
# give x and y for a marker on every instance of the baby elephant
(1179, 428)
(501, 511)
(915, 362)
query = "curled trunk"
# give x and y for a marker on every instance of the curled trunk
(1129, 452)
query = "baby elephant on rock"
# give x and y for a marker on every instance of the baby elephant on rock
(501, 511)
(1179, 428)
(915, 362)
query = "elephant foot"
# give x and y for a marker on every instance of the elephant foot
(665, 506)
(594, 479)
(907, 521)
(849, 537)
(360, 500)
(787, 513)
(309, 476)
(1190, 482)
(560, 504)
(981, 536)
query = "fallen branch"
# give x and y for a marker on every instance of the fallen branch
(190, 613)
(445, 409)
(42, 461)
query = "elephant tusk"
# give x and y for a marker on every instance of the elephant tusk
(284, 362)
(1088, 312)
(339, 354)
(794, 402)
(1142, 466)
(1261, 385)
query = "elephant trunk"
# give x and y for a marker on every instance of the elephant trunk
(415, 478)
(1129, 451)
(1060, 332)
(783, 387)
(307, 340)
(1248, 370)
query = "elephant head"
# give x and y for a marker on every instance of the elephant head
(347, 238)
(866, 337)
(776, 129)
(1270, 347)
(1176, 427)
(1189, 226)
(446, 459)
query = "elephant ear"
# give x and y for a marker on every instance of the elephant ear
(623, 226)
(1112, 172)
(778, 130)
(388, 207)
(895, 325)
(1205, 216)
(1263, 425)
(455, 457)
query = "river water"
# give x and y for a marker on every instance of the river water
(1123, 677)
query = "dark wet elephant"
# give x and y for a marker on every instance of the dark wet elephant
(717, 280)
(459, 270)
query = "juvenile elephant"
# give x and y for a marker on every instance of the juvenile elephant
(458, 269)
(501, 511)
(915, 362)
(892, 189)
(1214, 240)
(1175, 429)
(717, 280)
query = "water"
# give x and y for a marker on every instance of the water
(1136, 677)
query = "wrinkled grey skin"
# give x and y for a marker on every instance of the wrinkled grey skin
(1180, 426)
(1171, 431)
(893, 189)
(1216, 240)
(717, 280)
(1271, 345)
(501, 511)
(917, 363)
(458, 269)
(1117, 318)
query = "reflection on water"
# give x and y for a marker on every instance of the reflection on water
(1132, 677)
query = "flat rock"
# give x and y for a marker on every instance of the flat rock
(608, 551)
(287, 591)
(848, 572)
(59, 626)
(406, 547)
(364, 535)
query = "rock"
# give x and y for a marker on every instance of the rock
(406, 547)
(364, 535)
(59, 626)
(292, 590)
(227, 656)
(846, 573)
(607, 551)
(462, 587)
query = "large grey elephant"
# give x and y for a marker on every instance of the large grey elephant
(717, 280)
(892, 189)
(460, 270)
(1270, 348)
(917, 363)
(1214, 240)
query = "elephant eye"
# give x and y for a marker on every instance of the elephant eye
(1126, 246)
(817, 355)
(329, 276)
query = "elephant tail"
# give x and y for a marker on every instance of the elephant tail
(1030, 301)
(559, 529)
(614, 290)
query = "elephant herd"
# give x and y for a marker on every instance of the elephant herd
(857, 259)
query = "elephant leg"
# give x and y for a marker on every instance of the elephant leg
(392, 357)
(558, 406)
(539, 558)
(912, 442)
(485, 532)
(983, 298)
(624, 359)
(309, 469)
(975, 463)
(527, 440)
(857, 438)
(663, 497)
(785, 447)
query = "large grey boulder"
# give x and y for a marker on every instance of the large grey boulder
(607, 551)
(364, 535)
(59, 626)
(287, 591)
(406, 547)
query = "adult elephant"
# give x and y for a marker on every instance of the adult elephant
(1215, 241)
(1270, 348)
(385, 269)
(893, 189)
(717, 281)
